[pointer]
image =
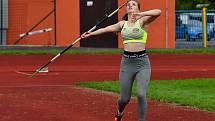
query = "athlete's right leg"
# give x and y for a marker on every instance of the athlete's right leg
(126, 82)
(126, 78)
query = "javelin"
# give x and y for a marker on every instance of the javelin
(77, 40)
(36, 32)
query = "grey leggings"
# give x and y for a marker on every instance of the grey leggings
(134, 69)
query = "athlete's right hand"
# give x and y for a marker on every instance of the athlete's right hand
(136, 16)
(86, 34)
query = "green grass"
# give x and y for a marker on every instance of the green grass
(198, 93)
(105, 51)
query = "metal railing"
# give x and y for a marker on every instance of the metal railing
(189, 25)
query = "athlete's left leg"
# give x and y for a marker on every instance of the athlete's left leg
(142, 79)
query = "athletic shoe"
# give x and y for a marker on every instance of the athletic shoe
(118, 117)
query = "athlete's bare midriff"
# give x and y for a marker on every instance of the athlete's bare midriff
(134, 47)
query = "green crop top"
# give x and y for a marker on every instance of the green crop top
(133, 34)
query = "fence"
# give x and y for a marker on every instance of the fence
(189, 27)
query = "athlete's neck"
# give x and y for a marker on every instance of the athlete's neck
(131, 19)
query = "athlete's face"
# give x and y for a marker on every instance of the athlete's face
(132, 6)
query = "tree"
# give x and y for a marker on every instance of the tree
(191, 4)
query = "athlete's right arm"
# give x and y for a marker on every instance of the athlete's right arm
(112, 28)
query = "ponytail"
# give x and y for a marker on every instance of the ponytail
(125, 17)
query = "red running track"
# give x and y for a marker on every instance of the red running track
(52, 96)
